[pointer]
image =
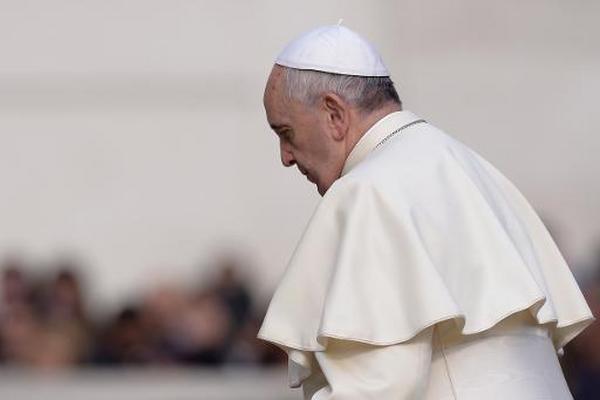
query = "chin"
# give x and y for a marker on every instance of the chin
(322, 189)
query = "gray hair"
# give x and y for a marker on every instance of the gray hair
(367, 93)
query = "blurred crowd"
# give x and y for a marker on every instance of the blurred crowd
(44, 323)
(581, 361)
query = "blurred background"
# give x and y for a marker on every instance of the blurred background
(145, 218)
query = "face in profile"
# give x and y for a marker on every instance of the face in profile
(304, 132)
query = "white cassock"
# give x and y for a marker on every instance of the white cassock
(424, 274)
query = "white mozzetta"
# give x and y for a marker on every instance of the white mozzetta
(420, 231)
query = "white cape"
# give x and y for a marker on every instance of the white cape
(418, 231)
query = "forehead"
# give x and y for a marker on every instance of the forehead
(273, 98)
(275, 84)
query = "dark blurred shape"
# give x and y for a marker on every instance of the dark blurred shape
(66, 329)
(19, 328)
(125, 341)
(19, 336)
(581, 362)
(233, 292)
(246, 349)
(44, 322)
(204, 330)
(15, 291)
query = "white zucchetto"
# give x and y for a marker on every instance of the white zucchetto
(334, 49)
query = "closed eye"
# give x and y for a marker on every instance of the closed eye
(285, 134)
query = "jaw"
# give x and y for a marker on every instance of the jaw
(323, 188)
(323, 185)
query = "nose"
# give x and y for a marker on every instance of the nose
(287, 158)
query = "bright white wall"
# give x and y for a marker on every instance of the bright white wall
(133, 134)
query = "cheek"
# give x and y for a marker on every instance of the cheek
(312, 145)
(323, 150)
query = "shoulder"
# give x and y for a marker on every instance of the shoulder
(407, 162)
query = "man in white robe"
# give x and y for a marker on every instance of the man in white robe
(423, 272)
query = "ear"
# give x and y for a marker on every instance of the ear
(338, 115)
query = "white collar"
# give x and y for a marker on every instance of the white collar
(376, 134)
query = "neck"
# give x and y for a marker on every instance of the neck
(364, 123)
